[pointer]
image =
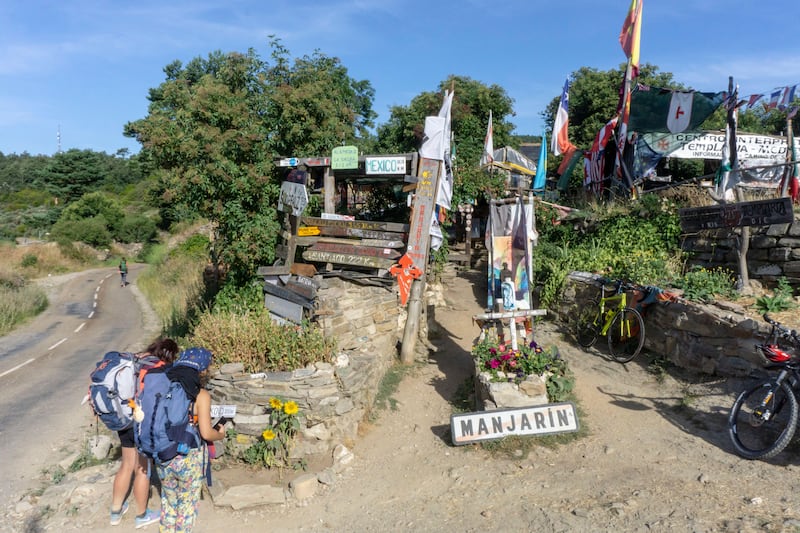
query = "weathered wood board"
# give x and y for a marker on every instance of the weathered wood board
(347, 259)
(374, 225)
(389, 253)
(363, 233)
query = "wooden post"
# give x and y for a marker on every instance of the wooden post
(419, 238)
(329, 186)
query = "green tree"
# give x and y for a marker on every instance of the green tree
(470, 115)
(71, 174)
(215, 126)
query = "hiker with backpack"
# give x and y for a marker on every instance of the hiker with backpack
(173, 428)
(123, 272)
(133, 464)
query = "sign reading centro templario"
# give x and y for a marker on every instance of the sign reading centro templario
(385, 165)
(344, 158)
(708, 145)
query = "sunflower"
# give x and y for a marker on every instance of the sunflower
(275, 403)
(290, 408)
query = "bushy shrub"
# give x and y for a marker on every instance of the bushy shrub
(703, 284)
(92, 231)
(135, 228)
(252, 338)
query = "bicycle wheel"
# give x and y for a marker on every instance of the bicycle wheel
(763, 420)
(587, 327)
(626, 335)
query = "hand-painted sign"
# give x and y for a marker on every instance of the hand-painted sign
(388, 253)
(468, 428)
(385, 165)
(708, 145)
(295, 196)
(758, 213)
(307, 231)
(344, 158)
(375, 225)
(348, 259)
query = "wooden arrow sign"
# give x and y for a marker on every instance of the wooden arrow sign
(348, 259)
(363, 233)
(374, 225)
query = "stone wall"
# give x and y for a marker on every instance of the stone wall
(711, 339)
(333, 398)
(774, 251)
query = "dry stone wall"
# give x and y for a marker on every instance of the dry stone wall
(711, 339)
(333, 398)
(774, 251)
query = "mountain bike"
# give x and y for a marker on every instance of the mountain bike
(613, 318)
(763, 419)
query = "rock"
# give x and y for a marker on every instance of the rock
(304, 487)
(99, 446)
(246, 496)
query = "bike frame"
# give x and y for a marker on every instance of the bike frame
(616, 303)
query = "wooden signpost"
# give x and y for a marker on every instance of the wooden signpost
(387, 253)
(757, 213)
(546, 419)
(348, 259)
(363, 233)
(374, 225)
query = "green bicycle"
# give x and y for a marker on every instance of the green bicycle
(611, 317)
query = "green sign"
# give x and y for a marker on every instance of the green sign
(344, 158)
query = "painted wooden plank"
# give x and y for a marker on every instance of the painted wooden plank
(303, 270)
(283, 308)
(757, 213)
(364, 233)
(280, 270)
(306, 231)
(348, 259)
(339, 248)
(376, 243)
(304, 290)
(375, 225)
(422, 209)
(286, 294)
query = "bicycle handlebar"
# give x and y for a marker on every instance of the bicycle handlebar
(782, 330)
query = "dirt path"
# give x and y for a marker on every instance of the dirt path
(656, 458)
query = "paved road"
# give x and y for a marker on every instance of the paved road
(44, 371)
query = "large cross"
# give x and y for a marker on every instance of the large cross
(679, 112)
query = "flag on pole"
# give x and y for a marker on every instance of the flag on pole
(629, 37)
(541, 167)
(444, 194)
(488, 144)
(595, 158)
(560, 140)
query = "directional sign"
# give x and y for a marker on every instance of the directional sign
(757, 213)
(288, 162)
(295, 196)
(375, 225)
(348, 259)
(388, 253)
(307, 231)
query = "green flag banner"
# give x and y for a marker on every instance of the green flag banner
(654, 109)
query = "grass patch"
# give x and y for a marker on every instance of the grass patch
(384, 397)
(19, 301)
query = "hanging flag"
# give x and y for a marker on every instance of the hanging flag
(630, 36)
(444, 194)
(595, 158)
(560, 140)
(487, 157)
(774, 97)
(787, 97)
(680, 111)
(792, 112)
(541, 168)
(753, 99)
(653, 108)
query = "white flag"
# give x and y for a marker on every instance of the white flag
(488, 144)
(680, 111)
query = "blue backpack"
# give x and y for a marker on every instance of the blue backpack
(164, 427)
(113, 386)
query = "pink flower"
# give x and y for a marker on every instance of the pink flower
(494, 363)
(492, 351)
(505, 356)
(512, 364)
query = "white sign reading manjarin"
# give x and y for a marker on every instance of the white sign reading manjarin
(538, 420)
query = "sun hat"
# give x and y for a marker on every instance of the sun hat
(197, 358)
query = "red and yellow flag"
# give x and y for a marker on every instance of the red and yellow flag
(630, 35)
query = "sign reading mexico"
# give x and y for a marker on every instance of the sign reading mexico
(385, 165)
(538, 420)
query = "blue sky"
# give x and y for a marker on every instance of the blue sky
(84, 67)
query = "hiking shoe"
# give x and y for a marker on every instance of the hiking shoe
(149, 517)
(116, 518)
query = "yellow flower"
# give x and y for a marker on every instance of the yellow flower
(275, 403)
(290, 408)
(268, 434)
